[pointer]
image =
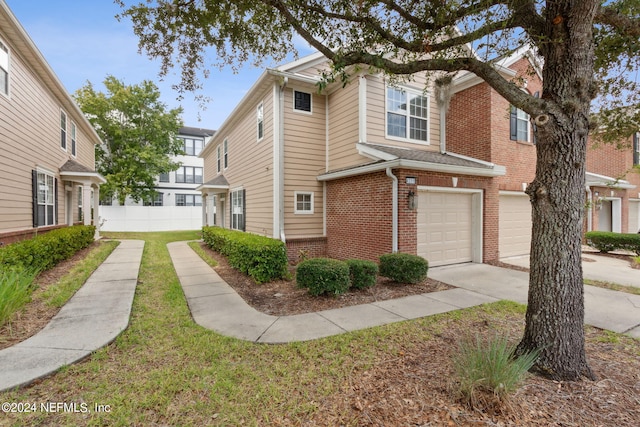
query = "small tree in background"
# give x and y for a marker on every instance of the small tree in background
(139, 136)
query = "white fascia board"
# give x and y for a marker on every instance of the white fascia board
(469, 79)
(596, 180)
(304, 62)
(91, 176)
(374, 154)
(205, 187)
(413, 164)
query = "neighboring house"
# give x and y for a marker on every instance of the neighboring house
(47, 165)
(613, 186)
(177, 205)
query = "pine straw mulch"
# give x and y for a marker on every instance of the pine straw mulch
(415, 386)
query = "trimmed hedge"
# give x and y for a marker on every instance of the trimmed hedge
(262, 258)
(46, 250)
(323, 275)
(606, 241)
(363, 273)
(404, 268)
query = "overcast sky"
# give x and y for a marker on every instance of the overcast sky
(82, 41)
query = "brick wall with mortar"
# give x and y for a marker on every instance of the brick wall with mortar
(359, 213)
(299, 249)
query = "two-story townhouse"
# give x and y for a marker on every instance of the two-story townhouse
(350, 172)
(613, 186)
(47, 164)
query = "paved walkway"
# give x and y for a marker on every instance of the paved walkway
(92, 318)
(100, 310)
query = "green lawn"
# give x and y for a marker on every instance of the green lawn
(166, 370)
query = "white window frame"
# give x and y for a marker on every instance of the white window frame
(47, 198)
(521, 117)
(74, 140)
(310, 102)
(237, 204)
(219, 157)
(63, 130)
(260, 121)
(409, 94)
(225, 153)
(298, 211)
(5, 59)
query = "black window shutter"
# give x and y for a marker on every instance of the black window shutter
(513, 124)
(535, 128)
(636, 149)
(231, 225)
(34, 197)
(55, 200)
(244, 210)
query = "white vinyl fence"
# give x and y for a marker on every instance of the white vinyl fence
(150, 218)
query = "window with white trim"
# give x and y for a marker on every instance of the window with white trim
(219, 158)
(4, 69)
(303, 202)
(45, 199)
(260, 121)
(302, 101)
(407, 115)
(63, 130)
(519, 125)
(237, 210)
(188, 200)
(226, 153)
(73, 139)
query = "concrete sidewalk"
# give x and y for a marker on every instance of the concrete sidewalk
(91, 319)
(215, 305)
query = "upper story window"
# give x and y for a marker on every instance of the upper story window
(73, 139)
(636, 148)
(226, 153)
(4, 69)
(192, 146)
(407, 115)
(260, 121)
(164, 177)
(63, 130)
(189, 175)
(219, 158)
(519, 125)
(302, 101)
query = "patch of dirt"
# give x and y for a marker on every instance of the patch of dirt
(36, 314)
(283, 297)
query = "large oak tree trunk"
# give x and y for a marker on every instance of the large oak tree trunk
(555, 312)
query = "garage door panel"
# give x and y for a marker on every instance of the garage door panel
(444, 227)
(634, 216)
(515, 225)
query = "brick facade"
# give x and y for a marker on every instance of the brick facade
(299, 249)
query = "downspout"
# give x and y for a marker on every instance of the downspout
(394, 212)
(443, 128)
(590, 208)
(281, 159)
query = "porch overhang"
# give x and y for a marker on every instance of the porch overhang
(596, 180)
(76, 172)
(217, 185)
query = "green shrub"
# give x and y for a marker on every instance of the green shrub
(323, 276)
(262, 258)
(487, 370)
(606, 241)
(16, 285)
(362, 273)
(404, 268)
(46, 250)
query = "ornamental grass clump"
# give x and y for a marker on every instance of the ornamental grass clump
(16, 286)
(323, 276)
(487, 372)
(403, 268)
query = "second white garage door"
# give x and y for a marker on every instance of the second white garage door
(634, 216)
(515, 225)
(445, 227)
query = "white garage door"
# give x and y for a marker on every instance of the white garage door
(634, 216)
(515, 225)
(445, 227)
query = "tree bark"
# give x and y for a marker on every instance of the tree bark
(555, 312)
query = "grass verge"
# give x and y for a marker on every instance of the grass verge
(205, 257)
(613, 286)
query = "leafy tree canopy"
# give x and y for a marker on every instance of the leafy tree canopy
(139, 136)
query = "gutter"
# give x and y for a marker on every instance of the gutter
(280, 168)
(394, 211)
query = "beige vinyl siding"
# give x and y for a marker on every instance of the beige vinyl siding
(250, 165)
(304, 151)
(376, 114)
(343, 128)
(30, 138)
